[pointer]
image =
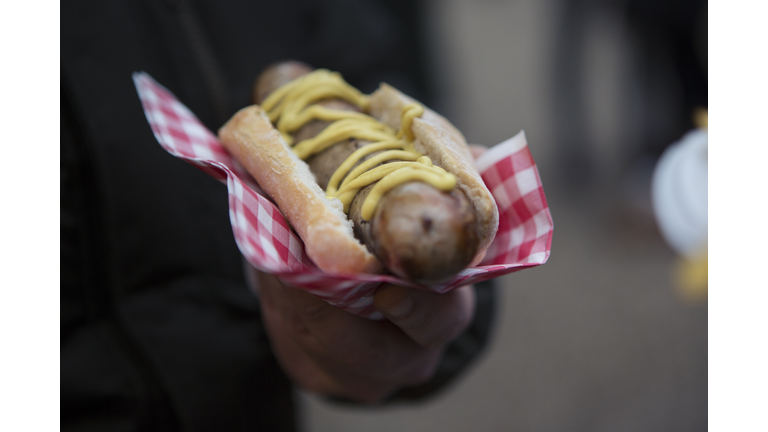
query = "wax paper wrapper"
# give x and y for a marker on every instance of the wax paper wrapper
(268, 242)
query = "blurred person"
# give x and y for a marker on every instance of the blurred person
(159, 330)
(679, 192)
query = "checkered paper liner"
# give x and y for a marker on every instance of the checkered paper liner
(268, 242)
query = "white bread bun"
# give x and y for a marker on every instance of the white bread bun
(320, 222)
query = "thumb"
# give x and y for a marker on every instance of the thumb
(429, 319)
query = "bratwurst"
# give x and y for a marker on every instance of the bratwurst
(421, 231)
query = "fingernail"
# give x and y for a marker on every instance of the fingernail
(401, 308)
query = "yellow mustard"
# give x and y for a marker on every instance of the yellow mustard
(291, 106)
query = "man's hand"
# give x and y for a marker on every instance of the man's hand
(332, 352)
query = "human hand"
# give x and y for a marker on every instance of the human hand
(326, 350)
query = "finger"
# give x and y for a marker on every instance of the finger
(358, 358)
(361, 346)
(430, 319)
(292, 344)
(353, 341)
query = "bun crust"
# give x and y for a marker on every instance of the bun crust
(321, 223)
(437, 138)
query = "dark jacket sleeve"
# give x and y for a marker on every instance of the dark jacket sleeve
(158, 330)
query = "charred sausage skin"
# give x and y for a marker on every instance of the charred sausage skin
(418, 232)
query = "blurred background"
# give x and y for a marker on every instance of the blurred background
(601, 338)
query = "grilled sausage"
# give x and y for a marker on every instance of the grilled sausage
(417, 232)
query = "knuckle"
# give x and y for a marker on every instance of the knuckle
(414, 322)
(425, 330)
(443, 331)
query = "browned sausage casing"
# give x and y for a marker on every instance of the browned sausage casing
(418, 232)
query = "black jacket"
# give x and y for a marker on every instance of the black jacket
(158, 330)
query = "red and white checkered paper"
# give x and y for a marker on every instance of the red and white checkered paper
(267, 241)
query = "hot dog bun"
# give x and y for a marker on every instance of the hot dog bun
(321, 222)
